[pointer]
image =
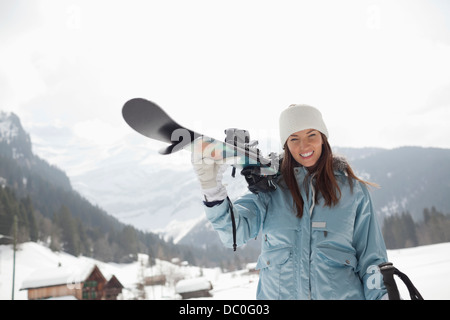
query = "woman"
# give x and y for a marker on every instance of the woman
(320, 236)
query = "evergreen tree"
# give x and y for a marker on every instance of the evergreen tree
(70, 235)
(408, 230)
(399, 231)
(102, 250)
(128, 241)
(30, 216)
(8, 209)
(435, 227)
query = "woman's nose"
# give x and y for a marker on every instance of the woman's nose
(303, 144)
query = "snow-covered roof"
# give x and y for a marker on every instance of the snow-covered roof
(250, 266)
(57, 276)
(192, 285)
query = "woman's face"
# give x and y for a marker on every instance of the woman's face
(305, 146)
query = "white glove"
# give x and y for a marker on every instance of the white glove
(209, 168)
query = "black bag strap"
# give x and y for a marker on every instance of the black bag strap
(388, 270)
(413, 292)
(233, 223)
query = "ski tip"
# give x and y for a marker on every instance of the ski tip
(136, 101)
(137, 105)
(129, 104)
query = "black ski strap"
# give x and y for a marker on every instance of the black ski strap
(413, 292)
(233, 223)
(388, 270)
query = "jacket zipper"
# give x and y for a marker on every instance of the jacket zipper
(312, 201)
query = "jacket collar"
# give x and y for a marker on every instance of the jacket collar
(340, 165)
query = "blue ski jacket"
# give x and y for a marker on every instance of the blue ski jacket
(329, 253)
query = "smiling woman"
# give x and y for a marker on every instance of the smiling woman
(305, 146)
(321, 237)
(303, 138)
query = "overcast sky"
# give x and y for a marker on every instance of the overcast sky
(378, 70)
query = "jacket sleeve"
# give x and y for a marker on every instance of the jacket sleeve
(249, 212)
(370, 248)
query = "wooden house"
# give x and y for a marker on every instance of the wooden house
(157, 280)
(251, 268)
(112, 289)
(194, 288)
(85, 283)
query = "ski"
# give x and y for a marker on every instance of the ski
(150, 120)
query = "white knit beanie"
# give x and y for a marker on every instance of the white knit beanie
(298, 117)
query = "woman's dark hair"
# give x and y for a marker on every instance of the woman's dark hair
(323, 173)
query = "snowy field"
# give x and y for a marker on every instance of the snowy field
(428, 267)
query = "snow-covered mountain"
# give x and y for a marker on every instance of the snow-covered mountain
(11, 133)
(8, 129)
(154, 196)
(167, 198)
(130, 180)
(145, 189)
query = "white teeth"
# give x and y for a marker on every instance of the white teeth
(304, 155)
